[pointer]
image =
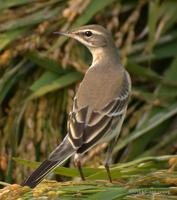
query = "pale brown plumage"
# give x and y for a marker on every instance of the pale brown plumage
(99, 105)
(91, 115)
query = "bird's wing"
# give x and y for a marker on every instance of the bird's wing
(85, 131)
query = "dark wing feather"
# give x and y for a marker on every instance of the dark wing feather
(86, 145)
(87, 127)
(57, 157)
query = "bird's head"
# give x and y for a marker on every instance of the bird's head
(92, 36)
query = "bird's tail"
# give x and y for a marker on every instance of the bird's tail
(57, 157)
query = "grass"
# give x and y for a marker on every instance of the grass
(39, 73)
(145, 178)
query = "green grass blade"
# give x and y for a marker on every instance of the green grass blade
(30, 20)
(152, 22)
(170, 74)
(7, 37)
(153, 122)
(91, 10)
(45, 62)
(10, 3)
(61, 82)
(109, 193)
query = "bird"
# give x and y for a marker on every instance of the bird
(99, 106)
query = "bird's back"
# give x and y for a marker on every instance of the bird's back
(97, 88)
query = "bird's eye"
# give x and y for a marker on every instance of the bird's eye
(88, 33)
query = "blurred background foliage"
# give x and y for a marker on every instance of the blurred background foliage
(40, 71)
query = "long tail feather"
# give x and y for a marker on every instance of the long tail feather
(57, 157)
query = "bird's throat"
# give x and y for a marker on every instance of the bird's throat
(104, 56)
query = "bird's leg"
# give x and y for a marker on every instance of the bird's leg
(108, 159)
(77, 163)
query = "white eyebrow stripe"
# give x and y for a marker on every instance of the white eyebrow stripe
(93, 31)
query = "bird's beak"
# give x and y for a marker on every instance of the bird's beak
(71, 34)
(68, 34)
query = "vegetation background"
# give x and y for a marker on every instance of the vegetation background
(40, 71)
